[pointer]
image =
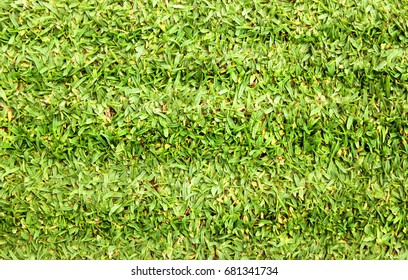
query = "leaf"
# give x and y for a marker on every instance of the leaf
(180, 166)
(369, 238)
(262, 223)
(197, 98)
(3, 95)
(380, 66)
(114, 209)
(9, 171)
(387, 86)
(315, 111)
(349, 122)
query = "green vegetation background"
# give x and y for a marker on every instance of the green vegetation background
(203, 129)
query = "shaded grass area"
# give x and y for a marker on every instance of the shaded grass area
(203, 130)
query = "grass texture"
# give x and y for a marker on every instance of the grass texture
(203, 129)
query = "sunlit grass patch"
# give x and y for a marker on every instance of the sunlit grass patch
(203, 129)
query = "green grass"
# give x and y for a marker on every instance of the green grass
(203, 129)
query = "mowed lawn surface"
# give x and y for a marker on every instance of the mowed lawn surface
(203, 129)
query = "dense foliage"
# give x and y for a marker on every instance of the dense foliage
(203, 129)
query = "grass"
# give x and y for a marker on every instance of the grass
(203, 129)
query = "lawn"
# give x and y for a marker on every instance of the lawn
(203, 129)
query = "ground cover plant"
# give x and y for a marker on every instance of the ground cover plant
(203, 129)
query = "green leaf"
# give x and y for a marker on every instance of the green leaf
(115, 209)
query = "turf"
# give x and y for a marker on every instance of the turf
(203, 129)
